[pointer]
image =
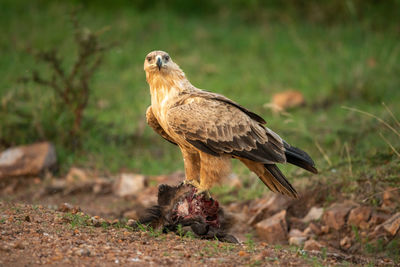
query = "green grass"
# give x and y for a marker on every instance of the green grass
(344, 64)
(77, 220)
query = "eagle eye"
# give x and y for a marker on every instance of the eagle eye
(166, 58)
(149, 58)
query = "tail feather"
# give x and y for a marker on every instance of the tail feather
(272, 177)
(279, 182)
(299, 158)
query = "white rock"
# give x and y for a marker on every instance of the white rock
(129, 184)
(27, 160)
(313, 215)
(297, 240)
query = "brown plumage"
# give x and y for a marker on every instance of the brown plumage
(210, 129)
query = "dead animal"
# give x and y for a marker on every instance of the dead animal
(181, 210)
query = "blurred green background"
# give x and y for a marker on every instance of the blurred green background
(337, 53)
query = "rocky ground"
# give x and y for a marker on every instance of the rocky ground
(33, 234)
(85, 218)
(86, 222)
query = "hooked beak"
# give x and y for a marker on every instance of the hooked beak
(159, 63)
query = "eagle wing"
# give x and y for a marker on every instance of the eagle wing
(153, 123)
(218, 126)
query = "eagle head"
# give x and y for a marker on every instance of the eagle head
(158, 66)
(160, 62)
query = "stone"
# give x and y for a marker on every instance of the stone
(83, 252)
(390, 197)
(274, 204)
(29, 160)
(335, 215)
(345, 242)
(273, 229)
(313, 245)
(66, 207)
(295, 233)
(131, 214)
(243, 253)
(315, 229)
(297, 240)
(308, 231)
(287, 99)
(314, 214)
(392, 225)
(76, 176)
(359, 215)
(129, 184)
(378, 218)
(325, 229)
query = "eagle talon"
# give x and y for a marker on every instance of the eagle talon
(192, 183)
(203, 192)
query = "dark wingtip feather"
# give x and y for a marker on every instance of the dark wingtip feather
(299, 158)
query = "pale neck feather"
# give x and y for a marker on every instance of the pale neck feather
(164, 84)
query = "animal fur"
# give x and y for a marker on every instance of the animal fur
(179, 205)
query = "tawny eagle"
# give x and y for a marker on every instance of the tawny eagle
(210, 129)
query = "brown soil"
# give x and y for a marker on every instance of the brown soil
(34, 232)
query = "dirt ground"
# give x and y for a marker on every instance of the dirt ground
(37, 228)
(34, 235)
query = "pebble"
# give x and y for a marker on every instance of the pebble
(83, 252)
(297, 240)
(243, 253)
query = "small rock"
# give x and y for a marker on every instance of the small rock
(242, 253)
(96, 221)
(20, 245)
(179, 247)
(359, 215)
(129, 184)
(308, 231)
(102, 186)
(261, 256)
(28, 218)
(274, 204)
(295, 233)
(313, 215)
(315, 228)
(5, 248)
(66, 207)
(76, 176)
(312, 244)
(131, 223)
(287, 99)
(345, 243)
(83, 252)
(392, 225)
(131, 214)
(27, 160)
(390, 197)
(378, 218)
(297, 240)
(273, 229)
(325, 229)
(335, 215)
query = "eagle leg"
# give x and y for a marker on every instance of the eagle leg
(199, 190)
